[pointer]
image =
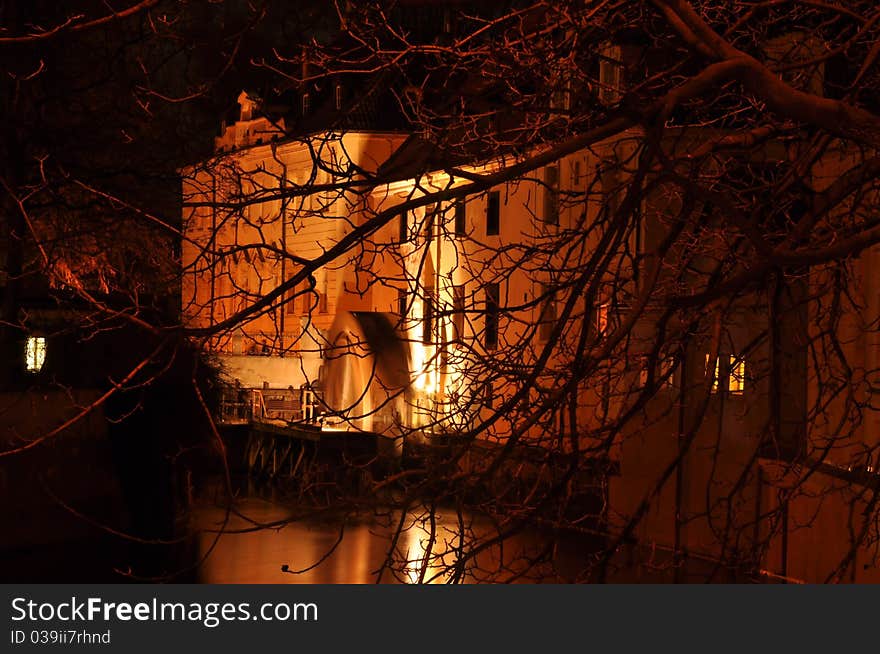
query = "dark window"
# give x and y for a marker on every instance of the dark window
(447, 21)
(548, 313)
(430, 221)
(493, 213)
(611, 190)
(308, 301)
(460, 218)
(403, 235)
(428, 318)
(458, 311)
(610, 74)
(291, 300)
(490, 335)
(401, 302)
(323, 297)
(482, 394)
(551, 195)
(488, 395)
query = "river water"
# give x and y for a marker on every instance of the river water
(263, 537)
(259, 542)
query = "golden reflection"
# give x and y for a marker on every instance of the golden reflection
(326, 552)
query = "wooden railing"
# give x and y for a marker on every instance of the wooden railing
(243, 406)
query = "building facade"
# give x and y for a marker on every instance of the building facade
(528, 311)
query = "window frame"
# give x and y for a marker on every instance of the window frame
(460, 217)
(551, 195)
(35, 349)
(492, 315)
(493, 213)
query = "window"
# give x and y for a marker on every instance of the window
(35, 353)
(306, 104)
(665, 377)
(493, 211)
(447, 21)
(488, 395)
(551, 195)
(401, 302)
(716, 373)
(736, 384)
(576, 173)
(611, 189)
(458, 311)
(600, 319)
(792, 52)
(460, 218)
(610, 74)
(490, 334)
(403, 227)
(291, 300)
(667, 372)
(309, 403)
(322, 297)
(735, 375)
(431, 221)
(428, 317)
(308, 300)
(547, 321)
(337, 93)
(560, 98)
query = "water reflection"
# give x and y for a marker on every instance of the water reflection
(353, 549)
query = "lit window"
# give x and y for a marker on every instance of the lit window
(35, 353)
(667, 372)
(602, 318)
(737, 382)
(716, 375)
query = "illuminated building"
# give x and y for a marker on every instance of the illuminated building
(420, 327)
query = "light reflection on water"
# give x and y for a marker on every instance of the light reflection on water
(314, 548)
